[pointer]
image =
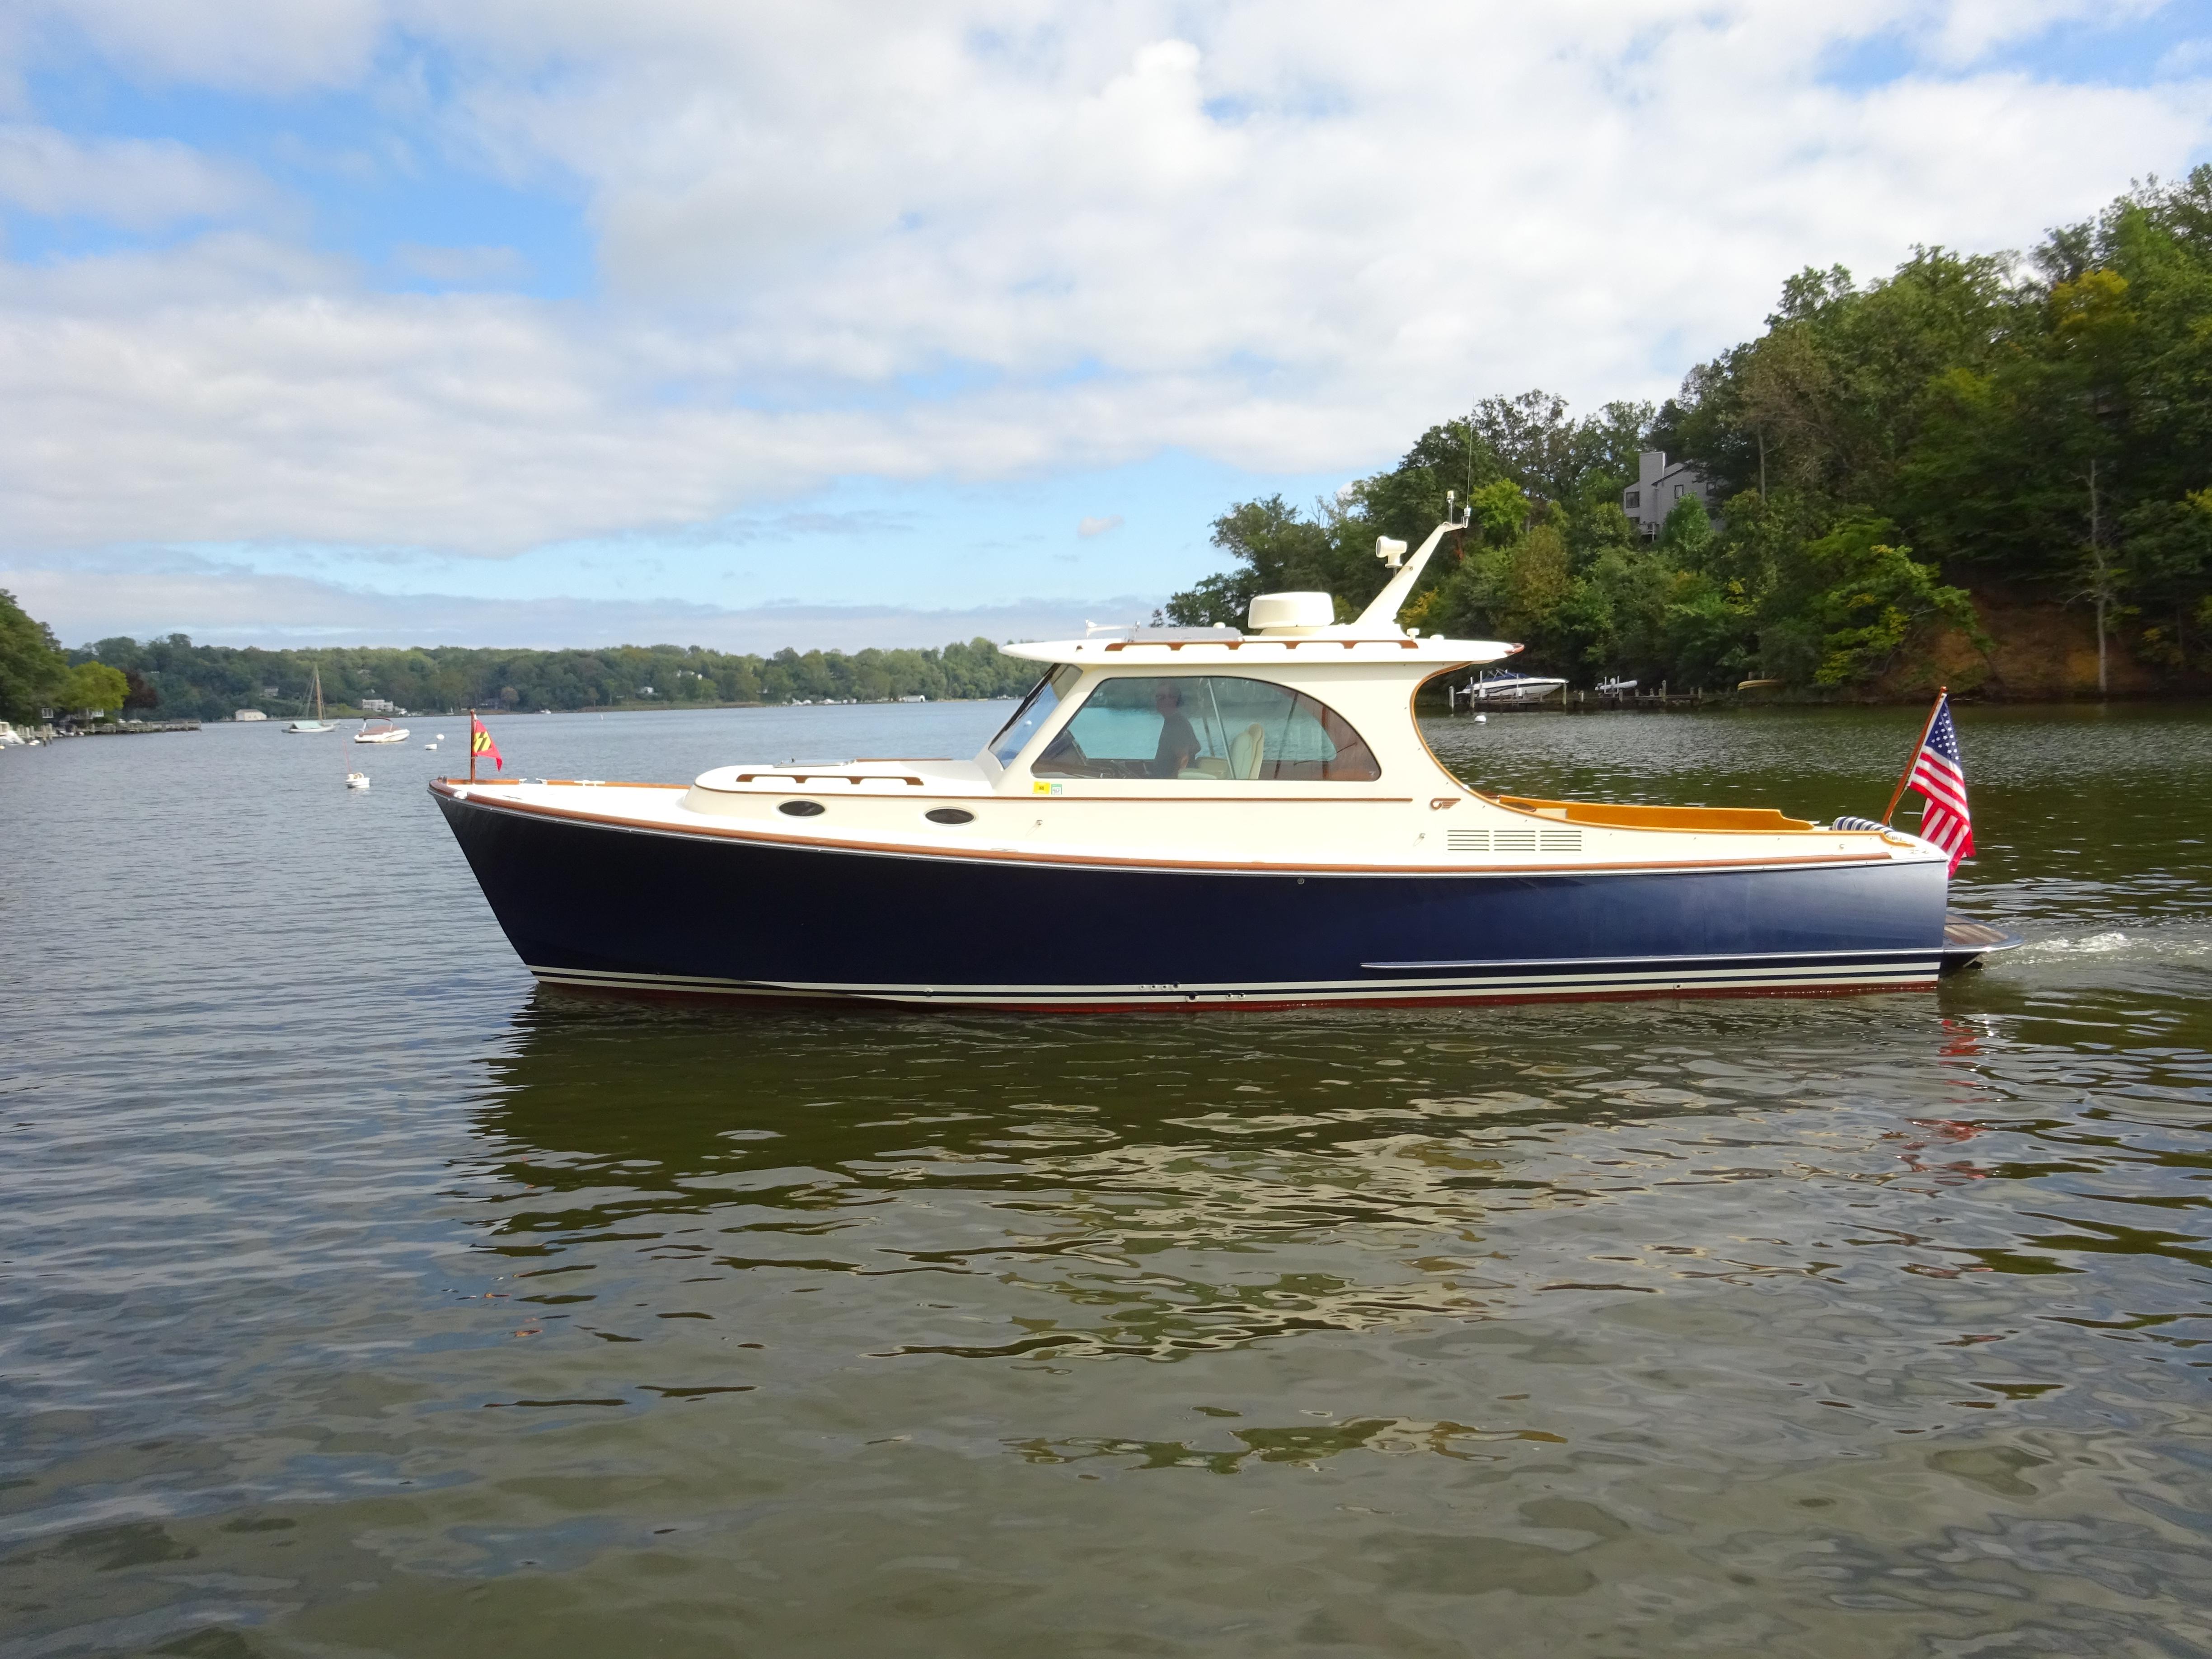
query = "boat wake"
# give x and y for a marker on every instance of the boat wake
(2138, 946)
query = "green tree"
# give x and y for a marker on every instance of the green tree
(1279, 550)
(1688, 532)
(33, 671)
(95, 685)
(1498, 513)
(1851, 601)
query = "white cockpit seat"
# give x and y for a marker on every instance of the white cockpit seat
(1247, 751)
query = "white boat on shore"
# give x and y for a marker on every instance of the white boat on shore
(1504, 688)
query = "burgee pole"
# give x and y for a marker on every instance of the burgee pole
(1941, 692)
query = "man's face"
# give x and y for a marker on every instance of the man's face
(1166, 701)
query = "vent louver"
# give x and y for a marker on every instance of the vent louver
(1514, 841)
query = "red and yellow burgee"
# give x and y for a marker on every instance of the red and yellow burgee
(480, 742)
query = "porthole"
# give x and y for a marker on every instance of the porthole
(949, 815)
(802, 809)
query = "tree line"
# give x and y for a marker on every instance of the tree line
(174, 678)
(1880, 454)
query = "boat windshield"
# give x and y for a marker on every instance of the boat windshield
(1206, 728)
(1042, 699)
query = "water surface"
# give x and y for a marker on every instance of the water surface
(357, 1298)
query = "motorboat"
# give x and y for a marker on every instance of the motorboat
(319, 723)
(8, 737)
(1194, 818)
(1508, 688)
(380, 731)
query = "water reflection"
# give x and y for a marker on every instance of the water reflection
(1150, 1188)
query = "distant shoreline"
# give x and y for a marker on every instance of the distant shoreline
(349, 713)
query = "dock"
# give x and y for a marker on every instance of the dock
(1659, 701)
(115, 729)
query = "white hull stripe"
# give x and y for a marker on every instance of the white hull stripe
(1814, 958)
(1895, 974)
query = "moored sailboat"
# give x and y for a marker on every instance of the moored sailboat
(318, 724)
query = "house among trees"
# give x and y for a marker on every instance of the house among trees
(1658, 487)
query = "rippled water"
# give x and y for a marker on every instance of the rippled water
(356, 1297)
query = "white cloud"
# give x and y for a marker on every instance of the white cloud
(1966, 30)
(257, 46)
(214, 603)
(135, 184)
(1090, 527)
(2187, 58)
(1276, 235)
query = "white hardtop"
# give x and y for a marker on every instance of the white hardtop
(1346, 644)
(1285, 624)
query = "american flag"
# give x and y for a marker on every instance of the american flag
(1939, 777)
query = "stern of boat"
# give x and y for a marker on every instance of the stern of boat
(1967, 941)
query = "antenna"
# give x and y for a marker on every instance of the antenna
(1470, 466)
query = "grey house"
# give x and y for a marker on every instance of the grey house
(1658, 487)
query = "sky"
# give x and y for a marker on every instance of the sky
(541, 322)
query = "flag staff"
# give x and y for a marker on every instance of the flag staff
(1913, 760)
(472, 744)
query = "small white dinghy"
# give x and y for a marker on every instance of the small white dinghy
(356, 780)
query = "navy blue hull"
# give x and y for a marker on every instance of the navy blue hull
(590, 904)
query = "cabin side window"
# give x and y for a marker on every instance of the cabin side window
(1210, 728)
(1036, 708)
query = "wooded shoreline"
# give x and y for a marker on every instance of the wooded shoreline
(1986, 470)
